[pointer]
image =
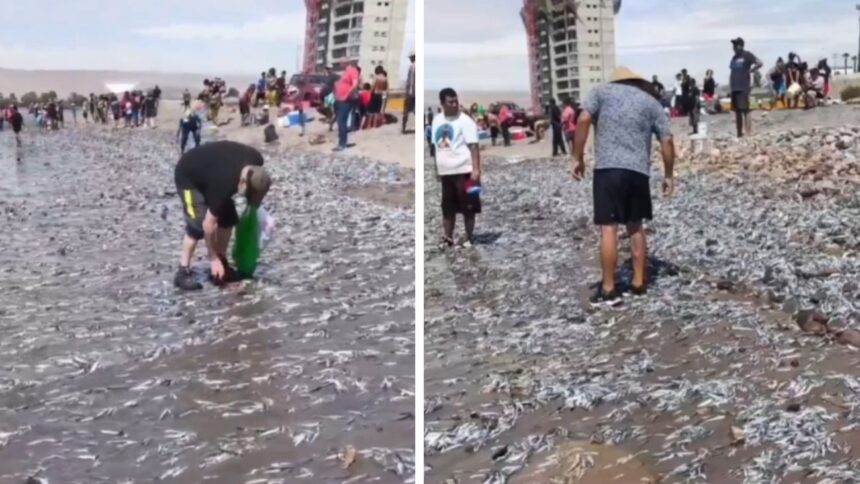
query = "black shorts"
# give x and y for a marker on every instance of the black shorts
(741, 101)
(194, 209)
(621, 197)
(454, 197)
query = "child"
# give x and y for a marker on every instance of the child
(694, 106)
(364, 97)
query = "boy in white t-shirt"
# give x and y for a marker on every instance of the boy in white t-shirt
(458, 164)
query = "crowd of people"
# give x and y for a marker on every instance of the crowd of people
(789, 83)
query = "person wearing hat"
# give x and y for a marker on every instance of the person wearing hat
(626, 114)
(206, 179)
(743, 64)
(409, 103)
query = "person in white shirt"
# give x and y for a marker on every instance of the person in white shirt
(814, 89)
(458, 165)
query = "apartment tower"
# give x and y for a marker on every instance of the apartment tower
(571, 45)
(369, 32)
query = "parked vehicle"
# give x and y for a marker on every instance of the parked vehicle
(308, 88)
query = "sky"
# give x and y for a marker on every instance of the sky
(652, 37)
(189, 36)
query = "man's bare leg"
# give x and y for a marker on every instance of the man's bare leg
(608, 255)
(188, 247)
(747, 123)
(639, 251)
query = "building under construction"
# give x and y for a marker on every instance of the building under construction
(571, 45)
(368, 32)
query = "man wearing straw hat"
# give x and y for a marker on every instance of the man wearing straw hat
(626, 113)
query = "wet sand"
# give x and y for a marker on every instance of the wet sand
(109, 374)
(708, 379)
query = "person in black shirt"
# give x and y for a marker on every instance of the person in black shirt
(793, 76)
(206, 180)
(658, 88)
(694, 105)
(685, 92)
(189, 124)
(17, 122)
(150, 109)
(554, 113)
(709, 88)
(742, 65)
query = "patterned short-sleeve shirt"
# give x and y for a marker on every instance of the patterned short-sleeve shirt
(625, 120)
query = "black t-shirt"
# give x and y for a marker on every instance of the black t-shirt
(214, 170)
(658, 87)
(741, 66)
(17, 121)
(710, 86)
(685, 86)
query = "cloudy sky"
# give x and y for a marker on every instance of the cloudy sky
(226, 36)
(480, 44)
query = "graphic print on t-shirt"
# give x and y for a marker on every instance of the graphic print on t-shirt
(444, 136)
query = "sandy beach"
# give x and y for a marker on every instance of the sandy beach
(385, 144)
(737, 366)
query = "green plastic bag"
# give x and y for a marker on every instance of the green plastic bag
(246, 248)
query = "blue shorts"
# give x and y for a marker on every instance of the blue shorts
(780, 89)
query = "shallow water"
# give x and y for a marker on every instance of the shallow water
(108, 374)
(697, 382)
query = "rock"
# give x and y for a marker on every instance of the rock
(801, 140)
(806, 321)
(849, 337)
(725, 285)
(830, 139)
(809, 192)
(845, 142)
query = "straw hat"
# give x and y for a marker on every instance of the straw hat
(624, 74)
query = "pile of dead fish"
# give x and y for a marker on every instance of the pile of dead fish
(108, 373)
(822, 160)
(710, 368)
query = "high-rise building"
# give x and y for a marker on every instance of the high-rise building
(369, 32)
(571, 46)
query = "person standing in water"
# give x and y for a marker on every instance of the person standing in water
(206, 179)
(17, 122)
